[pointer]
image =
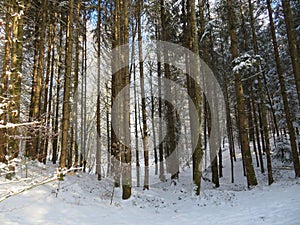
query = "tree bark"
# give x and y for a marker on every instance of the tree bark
(242, 119)
(194, 92)
(288, 117)
(292, 40)
(262, 100)
(143, 98)
(172, 160)
(126, 160)
(160, 131)
(4, 85)
(98, 111)
(67, 88)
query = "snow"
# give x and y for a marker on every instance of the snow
(12, 125)
(82, 199)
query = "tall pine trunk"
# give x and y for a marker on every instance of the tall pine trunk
(172, 160)
(284, 94)
(242, 118)
(143, 97)
(126, 155)
(67, 89)
(262, 99)
(98, 111)
(292, 40)
(195, 95)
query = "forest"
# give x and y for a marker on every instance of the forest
(137, 91)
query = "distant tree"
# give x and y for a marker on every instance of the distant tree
(98, 113)
(143, 96)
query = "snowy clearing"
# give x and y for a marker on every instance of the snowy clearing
(81, 199)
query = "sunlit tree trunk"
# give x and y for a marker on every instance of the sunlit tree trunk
(51, 103)
(76, 86)
(67, 89)
(4, 84)
(242, 119)
(15, 78)
(36, 92)
(58, 88)
(44, 141)
(83, 144)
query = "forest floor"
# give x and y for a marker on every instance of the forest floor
(82, 199)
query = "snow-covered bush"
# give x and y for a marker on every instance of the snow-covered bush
(282, 152)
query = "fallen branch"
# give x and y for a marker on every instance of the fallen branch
(58, 176)
(28, 188)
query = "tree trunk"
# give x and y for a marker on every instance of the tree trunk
(194, 92)
(172, 160)
(284, 94)
(67, 89)
(137, 155)
(292, 40)
(98, 112)
(262, 167)
(42, 155)
(126, 160)
(76, 83)
(160, 132)
(4, 85)
(15, 79)
(262, 99)
(35, 104)
(153, 122)
(143, 98)
(242, 119)
(58, 88)
(115, 146)
(51, 114)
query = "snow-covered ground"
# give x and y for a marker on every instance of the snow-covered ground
(81, 199)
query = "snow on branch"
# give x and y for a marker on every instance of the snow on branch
(12, 125)
(245, 62)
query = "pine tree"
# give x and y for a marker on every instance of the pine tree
(194, 92)
(294, 51)
(67, 88)
(242, 119)
(284, 93)
(143, 96)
